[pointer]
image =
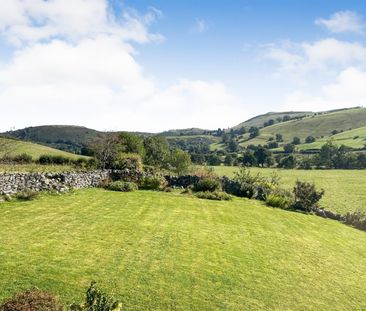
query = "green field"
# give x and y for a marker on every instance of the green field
(320, 127)
(165, 251)
(344, 189)
(18, 147)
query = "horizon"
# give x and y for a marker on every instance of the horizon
(152, 66)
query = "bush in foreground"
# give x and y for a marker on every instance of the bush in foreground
(97, 300)
(207, 184)
(306, 196)
(32, 300)
(153, 183)
(123, 186)
(280, 200)
(215, 195)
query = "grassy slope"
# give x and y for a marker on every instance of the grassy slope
(35, 150)
(258, 121)
(160, 251)
(317, 126)
(344, 189)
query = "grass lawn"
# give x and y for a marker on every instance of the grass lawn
(344, 189)
(165, 251)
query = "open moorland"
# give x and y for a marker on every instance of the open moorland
(166, 251)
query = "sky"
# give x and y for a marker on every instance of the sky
(154, 65)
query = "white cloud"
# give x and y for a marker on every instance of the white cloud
(24, 21)
(321, 55)
(74, 63)
(342, 22)
(347, 91)
(200, 26)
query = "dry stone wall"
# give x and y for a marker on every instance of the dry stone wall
(11, 183)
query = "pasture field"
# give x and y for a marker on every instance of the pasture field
(166, 251)
(34, 150)
(344, 189)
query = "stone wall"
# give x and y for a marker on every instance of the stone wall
(11, 183)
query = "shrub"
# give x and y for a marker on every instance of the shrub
(280, 200)
(32, 300)
(124, 186)
(52, 159)
(26, 195)
(97, 300)
(128, 161)
(153, 183)
(306, 196)
(23, 158)
(215, 195)
(207, 184)
(356, 219)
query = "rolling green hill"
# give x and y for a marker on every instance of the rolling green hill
(259, 121)
(165, 251)
(14, 147)
(63, 137)
(320, 126)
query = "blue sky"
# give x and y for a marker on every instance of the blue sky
(155, 65)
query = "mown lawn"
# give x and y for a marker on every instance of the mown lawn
(165, 251)
(344, 189)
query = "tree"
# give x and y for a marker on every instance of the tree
(213, 159)
(296, 140)
(132, 143)
(229, 160)
(326, 154)
(106, 149)
(180, 161)
(262, 154)
(253, 132)
(287, 162)
(233, 146)
(309, 139)
(279, 138)
(249, 159)
(156, 151)
(289, 148)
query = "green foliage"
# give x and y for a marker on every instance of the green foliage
(32, 300)
(132, 143)
(287, 162)
(215, 195)
(130, 161)
(124, 186)
(306, 196)
(207, 184)
(280, 199)
(27, 195)
(253, 132)
(180, 161)
(48, 159)
(255, 185)
(97, 300)
(289, 148)
(296, 141)
(310, 139)
(153, 183)
(156, 151)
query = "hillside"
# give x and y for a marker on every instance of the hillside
(15, 147)
(320, 126)
(63, 137)
(164, 251)
(260, 120)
